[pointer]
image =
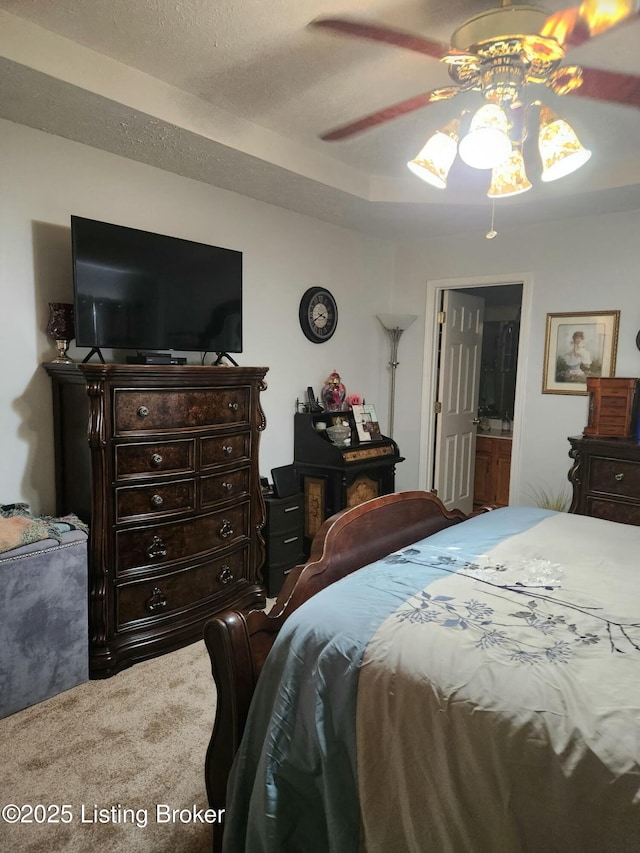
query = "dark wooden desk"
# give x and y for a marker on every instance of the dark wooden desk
(334, 478)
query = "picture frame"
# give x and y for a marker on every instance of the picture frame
(577, 346)
(366, 421)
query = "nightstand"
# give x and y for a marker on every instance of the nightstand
(283, 536)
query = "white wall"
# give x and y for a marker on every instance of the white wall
(45, 179)
(580, 265)
(586, 264)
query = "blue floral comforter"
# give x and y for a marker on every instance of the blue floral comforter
(477, 691)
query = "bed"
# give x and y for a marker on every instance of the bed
(428, 682)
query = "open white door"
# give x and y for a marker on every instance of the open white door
(455, 423)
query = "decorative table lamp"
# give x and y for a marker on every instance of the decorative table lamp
(61, 328)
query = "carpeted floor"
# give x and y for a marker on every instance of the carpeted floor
(133, 742)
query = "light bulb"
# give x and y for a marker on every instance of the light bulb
(487, 143)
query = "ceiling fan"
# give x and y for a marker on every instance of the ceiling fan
(500, 52)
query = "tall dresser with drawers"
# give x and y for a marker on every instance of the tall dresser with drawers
(162, 462)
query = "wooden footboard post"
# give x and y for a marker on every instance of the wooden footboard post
(227, 641)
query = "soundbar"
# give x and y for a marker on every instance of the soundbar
(155, 358)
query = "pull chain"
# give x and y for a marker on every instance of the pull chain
(492, 233)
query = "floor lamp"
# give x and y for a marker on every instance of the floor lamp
(395, 325)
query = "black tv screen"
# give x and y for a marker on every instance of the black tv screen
(143, 291)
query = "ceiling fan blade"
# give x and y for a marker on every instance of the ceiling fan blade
(609, 86)
(573, 27)
(390, 113)
(409, 41)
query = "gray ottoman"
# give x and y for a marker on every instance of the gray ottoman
(43, 620)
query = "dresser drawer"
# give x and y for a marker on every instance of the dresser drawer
(222, 449)
(223, 487)
(285, 550)
(156, 499)
(154, 458)
(285, 515)
(614, 477)
(160, 544)
(157, 410)
(625, 513)
(179, 590)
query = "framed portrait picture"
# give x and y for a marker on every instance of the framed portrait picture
(578, 346)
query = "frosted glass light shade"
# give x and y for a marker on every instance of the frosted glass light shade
(509, 177)
(435, 159)
(600, 16)
(487, 143)
(396, 321)
(560, 149)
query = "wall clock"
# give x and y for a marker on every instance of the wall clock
(318, 314)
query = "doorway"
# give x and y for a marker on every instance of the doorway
(500, 382)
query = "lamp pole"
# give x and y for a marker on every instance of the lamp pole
(394, 325)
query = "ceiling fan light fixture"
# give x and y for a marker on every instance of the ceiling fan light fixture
(433, 163)
(560, 149)
(509, 177)
(487, 143)
(495, 23)
(601, 16)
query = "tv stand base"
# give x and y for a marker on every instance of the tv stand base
(93, 351)
(220, 356)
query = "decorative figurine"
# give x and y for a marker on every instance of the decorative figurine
(334, 393)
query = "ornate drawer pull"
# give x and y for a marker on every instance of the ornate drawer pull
(157, 500)
(227, 486)
(157, 601)
(156, 460)
(156, 549)
(618, 477)
(226, 529)
(228, 449)
(233, 406)
(142, 411)
(225, 575)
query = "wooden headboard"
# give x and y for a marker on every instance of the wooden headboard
(238, 642)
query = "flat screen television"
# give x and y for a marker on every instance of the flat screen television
(143, 291)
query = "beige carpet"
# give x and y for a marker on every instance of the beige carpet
(129, 742)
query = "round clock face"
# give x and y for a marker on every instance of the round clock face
(318, 314)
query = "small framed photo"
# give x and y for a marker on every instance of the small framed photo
(366, 421)
(578, 346)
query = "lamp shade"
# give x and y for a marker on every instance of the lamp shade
(435, 159)
(601, 16)
(487, 144)
(560, 149)
(509, 177)
(396, 321)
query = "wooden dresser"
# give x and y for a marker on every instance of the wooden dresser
(162, 463)
(606, 478)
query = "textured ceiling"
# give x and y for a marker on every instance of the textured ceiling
(236, 94)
